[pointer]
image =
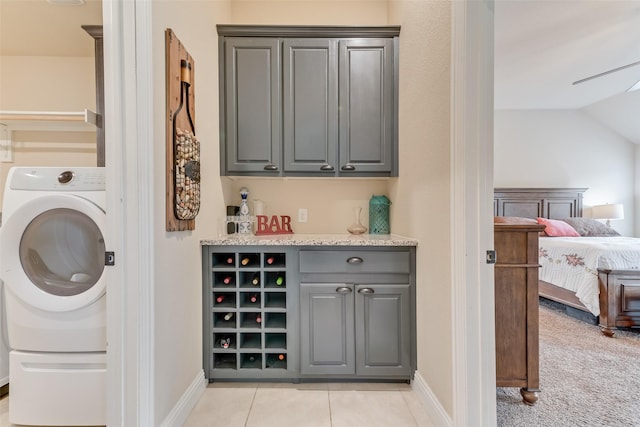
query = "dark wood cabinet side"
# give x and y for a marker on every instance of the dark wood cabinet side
(516, 308)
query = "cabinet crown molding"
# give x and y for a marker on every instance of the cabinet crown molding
(307, 31)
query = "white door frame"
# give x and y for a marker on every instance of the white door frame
(472, 297)
(128, 108)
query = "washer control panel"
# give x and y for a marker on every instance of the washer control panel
(58, 179)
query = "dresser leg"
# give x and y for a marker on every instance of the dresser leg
(529, 396)
(608, 332)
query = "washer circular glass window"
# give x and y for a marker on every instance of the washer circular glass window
(62, 252)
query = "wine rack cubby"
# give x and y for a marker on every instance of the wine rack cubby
(246, 313)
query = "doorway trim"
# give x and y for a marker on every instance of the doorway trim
(128, 66)
(474, 400)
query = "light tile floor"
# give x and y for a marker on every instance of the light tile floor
(309, 405)
(301, 405)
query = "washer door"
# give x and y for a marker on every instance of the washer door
(53, 252)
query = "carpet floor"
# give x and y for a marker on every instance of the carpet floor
(586, 379)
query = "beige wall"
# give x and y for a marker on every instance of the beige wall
(422, 193)
(48, 83)
(329, 201)
(177, 257)
(309, 12)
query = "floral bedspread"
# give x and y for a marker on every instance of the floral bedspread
(572, 262)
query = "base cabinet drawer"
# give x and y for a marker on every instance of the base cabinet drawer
(354, 261)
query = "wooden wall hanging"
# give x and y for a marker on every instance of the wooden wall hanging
(182, 147)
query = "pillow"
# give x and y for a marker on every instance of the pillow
(557, 228)
(590, 227)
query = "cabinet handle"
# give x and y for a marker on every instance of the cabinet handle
(326, 168)
(348, 168)
(355, 260)
(344, 290)
(366, 291)
(271, 167)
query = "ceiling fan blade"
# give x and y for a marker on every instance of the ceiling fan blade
(633, 64)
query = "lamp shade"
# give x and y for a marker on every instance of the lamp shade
(607, 211)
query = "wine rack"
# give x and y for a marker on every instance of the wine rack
(246, 325)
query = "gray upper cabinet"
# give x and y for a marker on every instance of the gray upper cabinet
(308, 101)
(310, 105)
(252, 105)
(366, 106)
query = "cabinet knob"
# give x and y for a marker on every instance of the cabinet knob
(344, 290)
(271, 167)
(366, 291)
(326, 167)
(348, 168)
(355, 260)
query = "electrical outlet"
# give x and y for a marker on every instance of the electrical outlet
(302, 215)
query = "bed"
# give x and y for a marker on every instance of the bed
(605, 277)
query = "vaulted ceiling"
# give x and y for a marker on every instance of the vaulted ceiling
(542, 47)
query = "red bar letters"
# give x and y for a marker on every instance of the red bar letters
(275, 225)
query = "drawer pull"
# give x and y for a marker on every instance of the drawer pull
(271, 167)
(366, 291)
(326, 167)
(355, 260)
(348, 168)
(344, 290)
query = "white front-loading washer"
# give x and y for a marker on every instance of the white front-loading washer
(52, 265)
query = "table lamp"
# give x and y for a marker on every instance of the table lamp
(608, 212)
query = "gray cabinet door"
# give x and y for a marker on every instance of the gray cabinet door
(310, 76)
(327, 329)
(366, 105)
(252, 105)
(383, 344)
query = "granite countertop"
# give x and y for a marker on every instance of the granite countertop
(311, 240)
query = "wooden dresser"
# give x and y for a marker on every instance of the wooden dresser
(516, 304)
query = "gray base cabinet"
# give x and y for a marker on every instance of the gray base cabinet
(328, 329)
(355, 329)
(280, 312)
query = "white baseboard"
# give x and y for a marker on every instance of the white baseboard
(435, 410)
(185, 405)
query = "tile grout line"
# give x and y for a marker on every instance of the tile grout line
(329, 402)
(404, 399)
(253, 399)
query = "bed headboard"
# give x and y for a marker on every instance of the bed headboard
(552, 203)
